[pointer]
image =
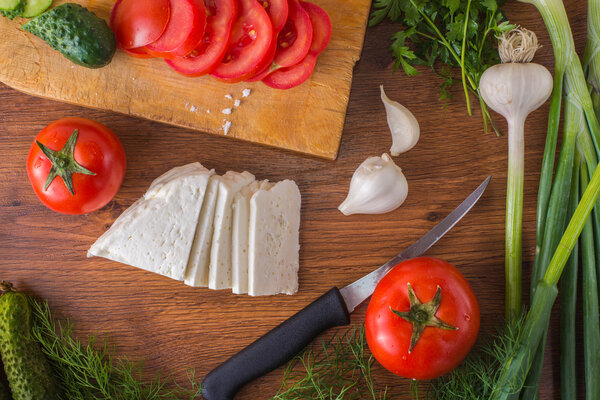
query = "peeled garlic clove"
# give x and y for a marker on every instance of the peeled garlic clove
(378, 186)
(403, 125)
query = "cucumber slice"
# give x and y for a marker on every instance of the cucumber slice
(33, 8)
(15, 11)
(9, 5)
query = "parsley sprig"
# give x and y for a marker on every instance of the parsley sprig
(443, 35)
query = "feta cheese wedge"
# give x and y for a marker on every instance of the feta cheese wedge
(240, 234)
(196, 273)
(219, 271)
(273, 243)
(157, 231)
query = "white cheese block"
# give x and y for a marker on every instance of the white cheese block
(157, 231)
(240, 235)
(219, 271)
(273, 243)
(197, 269)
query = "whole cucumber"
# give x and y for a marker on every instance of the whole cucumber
(77, 33)
(29, 374)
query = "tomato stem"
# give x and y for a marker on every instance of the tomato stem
(63, 163)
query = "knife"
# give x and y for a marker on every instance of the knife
(331, 309)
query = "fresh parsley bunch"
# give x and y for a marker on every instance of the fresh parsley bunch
(444, 34)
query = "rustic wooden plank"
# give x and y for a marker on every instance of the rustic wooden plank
(173, 326)
(308, 119)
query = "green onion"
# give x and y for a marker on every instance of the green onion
(568, 307)
(591, 327)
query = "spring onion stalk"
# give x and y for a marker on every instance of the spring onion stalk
(514, 89)
(591, 327)
(537, 319)
(568, 307)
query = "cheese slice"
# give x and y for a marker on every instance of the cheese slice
(196, 273)
(157, 231)
(219, 271)
(273, 242)
(240, 234)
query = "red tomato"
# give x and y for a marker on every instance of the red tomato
(212, 48)
(277, 11)
(438, 350)
(96, 149)
(250, 42)
(137, 23)
(292, 43)
(138, 52)
(286, 78)
(184, 31)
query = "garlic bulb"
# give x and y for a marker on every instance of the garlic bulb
(378, 186)
(403, 125)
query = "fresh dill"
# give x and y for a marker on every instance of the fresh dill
(340, 369)
(444, 34)
(90, 371)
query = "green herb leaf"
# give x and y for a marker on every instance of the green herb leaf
(433, 33)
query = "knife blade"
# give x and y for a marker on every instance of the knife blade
(331, 309)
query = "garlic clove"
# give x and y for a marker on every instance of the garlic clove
(378, 186)
(403, 125)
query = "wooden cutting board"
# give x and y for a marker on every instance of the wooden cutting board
(307, 119)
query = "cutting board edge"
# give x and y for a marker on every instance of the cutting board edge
(315, 153)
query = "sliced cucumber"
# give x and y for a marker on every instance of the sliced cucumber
(10, 13)
(33, 8)
(9, 5)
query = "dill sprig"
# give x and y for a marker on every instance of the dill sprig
(90, 371)
(340, 369)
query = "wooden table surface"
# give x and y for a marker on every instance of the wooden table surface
(173, 326)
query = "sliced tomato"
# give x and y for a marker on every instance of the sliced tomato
(286, 78)
(250, 42)
(277, 11)
(137, 23)
(293, 41)
(221, 15)
(321, 27)
(184, 30)
(138, 52)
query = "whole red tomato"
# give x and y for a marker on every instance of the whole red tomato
(423, 319)
(86, 170)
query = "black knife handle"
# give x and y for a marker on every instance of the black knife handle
(276, 347)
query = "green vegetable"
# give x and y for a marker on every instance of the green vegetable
(568, 308)
(340, 370)
(77, 33)
(29, 374)
(12, 8)
(439, 34)
(33, 8)
(89, 371)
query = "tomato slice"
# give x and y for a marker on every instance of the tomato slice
(277, 11)
(293, 42)
(138, 52)
(184, 30)
(221, 15)
(286, 78)
(251, 39)
(137, 23)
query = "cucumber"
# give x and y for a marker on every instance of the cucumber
(77, 33)
(33, 8)
(12, 8)
(29, 374)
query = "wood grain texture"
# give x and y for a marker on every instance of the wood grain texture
(173, 326)
(308, 119)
